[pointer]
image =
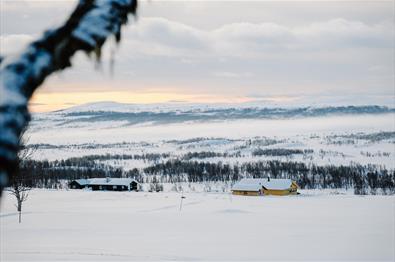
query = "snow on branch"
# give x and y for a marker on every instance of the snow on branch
(88, 27)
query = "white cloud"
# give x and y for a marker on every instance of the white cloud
(159, 36)
(234, 48)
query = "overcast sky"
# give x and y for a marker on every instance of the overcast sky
(206, 51)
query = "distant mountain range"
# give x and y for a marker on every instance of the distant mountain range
(175, 113)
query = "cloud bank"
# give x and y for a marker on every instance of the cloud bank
(202, 48)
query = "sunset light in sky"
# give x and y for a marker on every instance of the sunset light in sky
(241, 51)
(43, 102)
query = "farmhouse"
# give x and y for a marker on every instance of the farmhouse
(265, 186)
(113, 184)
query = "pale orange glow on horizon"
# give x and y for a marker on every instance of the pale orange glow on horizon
(45, 102)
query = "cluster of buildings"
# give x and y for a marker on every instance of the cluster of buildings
(111, 184)
(245, 187)
(265, 186)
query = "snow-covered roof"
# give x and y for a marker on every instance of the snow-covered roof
(255, 184)
(247, 187)
(106, 181)
(82, 181)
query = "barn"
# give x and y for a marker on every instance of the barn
(78, 184)
(265, 186)
(112, 184)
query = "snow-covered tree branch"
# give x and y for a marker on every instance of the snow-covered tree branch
(88, 27)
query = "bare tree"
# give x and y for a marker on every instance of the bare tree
(21, 192)
(19, 185)
(88, 27)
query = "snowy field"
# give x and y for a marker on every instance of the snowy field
(340, 138)
(85, 225)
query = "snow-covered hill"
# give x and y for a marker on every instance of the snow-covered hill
(116, 114)
(333, 135)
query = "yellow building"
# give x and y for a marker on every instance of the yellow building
(265, 186)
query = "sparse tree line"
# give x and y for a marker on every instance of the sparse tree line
(205, 154)
(364, 179)
(376, 154)
(280, 152)
(90, 159)
(352, 139)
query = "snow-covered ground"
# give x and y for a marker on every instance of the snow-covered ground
(333, 135)
(316, 225)
(86, 225)
(334, 140)
(103, 132)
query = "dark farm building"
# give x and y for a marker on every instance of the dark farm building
(112, 184)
